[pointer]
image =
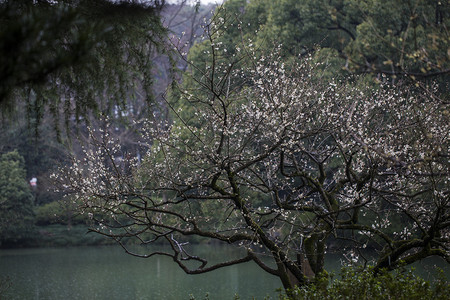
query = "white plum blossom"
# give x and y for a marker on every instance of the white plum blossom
(264, 153)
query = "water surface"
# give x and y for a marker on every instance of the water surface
(109, 273)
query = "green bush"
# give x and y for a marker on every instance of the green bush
(50, 213)
(62, 236)
(16, 201)
(356, 284)
(58, 212)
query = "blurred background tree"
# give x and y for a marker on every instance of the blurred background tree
(67, 64)
(76, 57)
(64, 64)
(407, 37)
(16, 200)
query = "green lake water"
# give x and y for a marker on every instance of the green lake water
(109, 273)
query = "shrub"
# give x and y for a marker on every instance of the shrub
(58, 212)
(364, 284)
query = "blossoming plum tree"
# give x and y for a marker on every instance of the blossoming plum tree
(273, 160)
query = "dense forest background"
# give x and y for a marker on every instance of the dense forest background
(39, 132)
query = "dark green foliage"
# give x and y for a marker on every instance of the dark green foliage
(42, 153)
(76, 57)
(401, 37)
(407, 37)
(16, 200)
(37, 40)
(59, 212)
(358, 284)
(50, 213)
(57, 235)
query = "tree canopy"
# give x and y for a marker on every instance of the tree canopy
(370, 36)
(265, 154)
(76, 57)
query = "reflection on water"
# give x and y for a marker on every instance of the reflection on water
(109, 273)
